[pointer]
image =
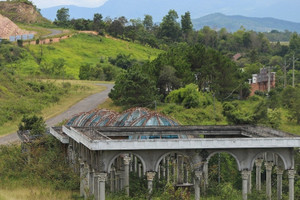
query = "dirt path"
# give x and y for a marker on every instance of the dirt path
(86, 104)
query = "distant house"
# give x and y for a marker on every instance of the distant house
(260, 81)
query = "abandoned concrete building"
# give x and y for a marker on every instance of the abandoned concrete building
(105, 147)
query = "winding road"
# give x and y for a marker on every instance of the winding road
(89, 103)
(53, 33)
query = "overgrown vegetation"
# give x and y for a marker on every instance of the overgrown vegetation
(20, 96)
(42, 164)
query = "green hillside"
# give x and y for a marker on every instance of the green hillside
(76, 50)
(83, 48)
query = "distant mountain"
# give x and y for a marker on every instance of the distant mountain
(233, 23)
(281, 9)
(131, 9)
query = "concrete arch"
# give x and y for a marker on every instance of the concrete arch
(277, 153)
(121, 153)
(230, 153)
(168, 153)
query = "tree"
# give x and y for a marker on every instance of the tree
(148, 22)
(170, 28)
(134, 88)
(98, 23)
(167, 80)
(186, 24)
(34, 124)
(116, 28)
(62, 16)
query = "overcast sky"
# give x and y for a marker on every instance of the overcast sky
(281, 9)
(80, 3)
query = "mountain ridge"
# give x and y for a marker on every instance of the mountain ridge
(234, 22)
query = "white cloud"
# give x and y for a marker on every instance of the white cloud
(81, 3)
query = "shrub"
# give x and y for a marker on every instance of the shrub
(189, 97)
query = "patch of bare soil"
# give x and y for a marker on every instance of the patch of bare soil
(8, 28)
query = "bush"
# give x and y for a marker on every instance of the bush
(47, 166)
(189, 97)
(34, 124)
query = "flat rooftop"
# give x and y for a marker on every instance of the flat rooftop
(176, 137)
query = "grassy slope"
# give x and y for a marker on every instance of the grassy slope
(83, 48)
(78, 91)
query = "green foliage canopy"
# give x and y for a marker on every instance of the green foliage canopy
(134, 88)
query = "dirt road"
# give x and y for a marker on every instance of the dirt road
(86, 104)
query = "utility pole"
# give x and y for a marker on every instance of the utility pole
(294, 60)
(285, 66)
(269, 79)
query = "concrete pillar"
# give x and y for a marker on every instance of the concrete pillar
(164, 168)
(91, 180)
(135, 163)
(249, 186)
(174, 171)
(112, 180)
(291, 176)
(82, 177)
(186, 175)
(279, 172)
(180, 169)
(205, 172)
(150, 177)
(140, 170)
(197, 181)
(245, 177)
(96, 186)
(101, 184)
(168, 169)
(158, 173)
(131, 162)
(117, 182)
(126, 173)
(258, 164)
(86, 180)
(268, 166)
(121, 180)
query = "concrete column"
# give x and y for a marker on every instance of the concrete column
(91, 180)
(164, 168)
(249, 186)
(268, 166)
(140, 170)
(150, 177)
(131, 162)
(82, 177)
(258, 164)
(121, 180)
(180, 169)
(96, 186)
(167, 169)
(291, 175)
(112, 180)
(158, 173)
(197, 181)
(245, 177)
(205, 171)
(117, 182)
(186, 175)
(135, 163)
(174, 171)
(101, 184)
(86, 180)
(279, 172)
(126, 173)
